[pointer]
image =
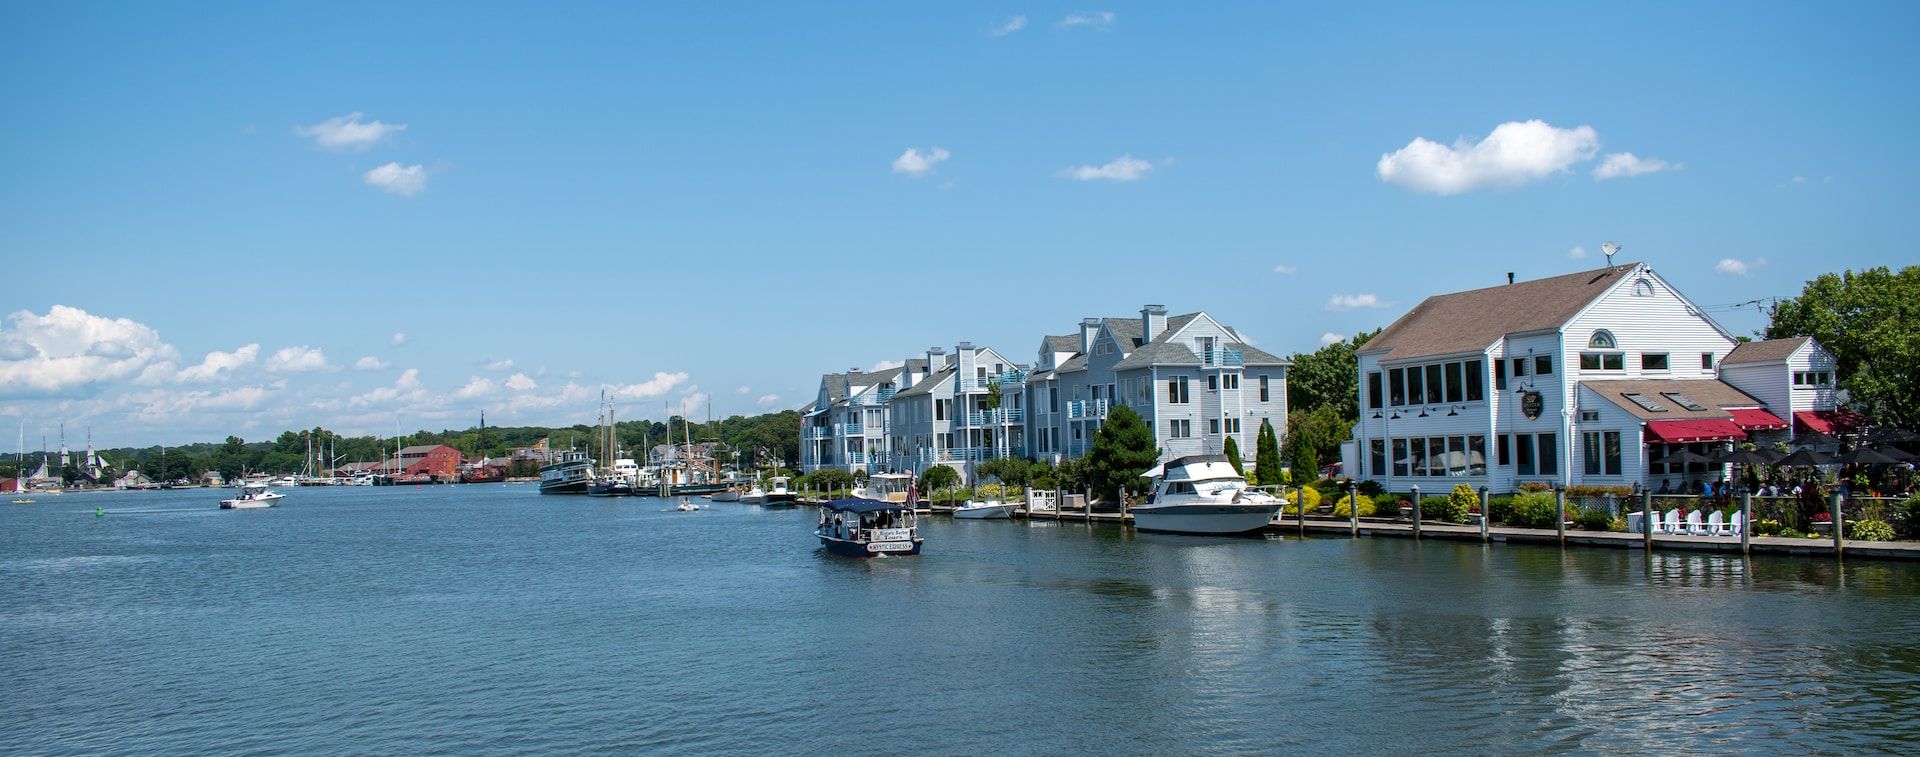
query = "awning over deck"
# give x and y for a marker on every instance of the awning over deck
(1828, 422)
(1756, 419)
(1694, 430)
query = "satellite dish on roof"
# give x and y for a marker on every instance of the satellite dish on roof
(1610, 249)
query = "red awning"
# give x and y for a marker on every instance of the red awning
(1755, 419)
(1828, 422)
(1695, 430)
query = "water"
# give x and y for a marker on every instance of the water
(490, 619)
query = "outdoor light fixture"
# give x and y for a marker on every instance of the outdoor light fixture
(1452, 412)
(1423, 412)
(1395, 416)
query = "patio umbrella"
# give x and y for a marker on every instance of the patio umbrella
(1745, 457)
(1899, 455)
(1865, 456)
(1805, 457)
(1814, 439)
(1687, 457)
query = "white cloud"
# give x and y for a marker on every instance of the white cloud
(301, 359)
(165, 406)
(913, 162)
(405, 181)
(691, 403)
(1123, 168)
(500, 365)
(520, 383)
(767, 401)
(1737, 267)
(399, 338)
(1516, 153)
(1577, 252)
(476, 388)
(407, 387)
(1621, 164)
(1094, 20)
(218, 364)
(885, 365)
(348, 133)
(1354, 302)
(1285, 270)
(1010, 26)
(69, 348)
(370, 363)
(661, 383)
(743, 390)
(1331, 338)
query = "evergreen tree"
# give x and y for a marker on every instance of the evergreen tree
(1122, 450)
(1232, 451)
(1266, 456)
(1303, 456)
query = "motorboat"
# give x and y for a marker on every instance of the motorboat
(984, 510)
(686, 506)
(570, 472)
(252, 496)
(730, 495)
(1203, 494)
(283, 482)
(778, 494)
(612, 486)
(886, 487)
(859, 527)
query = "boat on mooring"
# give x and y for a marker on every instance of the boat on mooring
(252, 496)
(868, 527)
(569, 472)
(984, 510)
(1203, 494)
(774, 494)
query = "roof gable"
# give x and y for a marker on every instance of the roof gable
(1473, 320)
(1767, 351)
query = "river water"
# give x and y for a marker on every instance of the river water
(490, 619)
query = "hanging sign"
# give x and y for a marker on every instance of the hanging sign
(1531, 404)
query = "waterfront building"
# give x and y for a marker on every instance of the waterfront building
(1194, 381)
(1590, 378)
(955, 411)
(845, 426)
(438, 461)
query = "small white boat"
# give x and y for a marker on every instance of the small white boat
(687, 506)
(252, 496)
(1203, 494)
(729, 495)
(989, 509)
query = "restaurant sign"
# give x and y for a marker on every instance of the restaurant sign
(1531, 404)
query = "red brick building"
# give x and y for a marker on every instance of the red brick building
(436, 460)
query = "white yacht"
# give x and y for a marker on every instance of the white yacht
(252, 496)
(886, 487)
(775, 493)
(1203, 494)
(984, 510)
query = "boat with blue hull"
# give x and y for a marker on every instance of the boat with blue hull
(866, 527)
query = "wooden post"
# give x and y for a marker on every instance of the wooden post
(1486, 518)
(1120, 496)
(1416, 513)
(1353, 509)
(1086, 505)
(1560, 513)
(1746, 522)
(1646, 518)
(1836, 511)
(1302, 510)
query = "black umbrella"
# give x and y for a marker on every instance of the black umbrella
(1687, 457)
(1814, 439)
(1745, 457)
(1865, 456)
(1893, 436)
(1899, 455)
(1805, 457)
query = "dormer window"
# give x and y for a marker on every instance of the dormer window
(1602, 340)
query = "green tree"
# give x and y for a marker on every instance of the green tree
(1318, 431)
(1866, 320)
(1266, 456)
(1013, 471)
(1301, 452)
(1328, 377)
(1232, 450)
(829, 479)
(937, 477)
(1122, 450)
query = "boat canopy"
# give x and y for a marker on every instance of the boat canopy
(1181, 462)
(862, 505)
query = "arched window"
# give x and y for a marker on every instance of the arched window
(1643, 288)
(1601, 340)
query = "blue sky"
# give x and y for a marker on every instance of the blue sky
(710, 202)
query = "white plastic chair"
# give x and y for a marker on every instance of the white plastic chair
(1670, 524)
(1696, 526)
(1716, 524)
(1737, 522)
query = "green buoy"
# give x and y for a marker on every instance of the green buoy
(99, 512)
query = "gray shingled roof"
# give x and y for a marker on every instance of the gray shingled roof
(1769, 351)
(1127, 330)
(1257, 356)
(1713, 394)
(1075, 363)
(927, 384)
(1062, 343)
(869, 378)
(1449, 324)
(836, 386)
(1158, 353)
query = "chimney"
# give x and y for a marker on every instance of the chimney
(1089, 328)
(1153, 320)
(1509, 277)
(936, 359)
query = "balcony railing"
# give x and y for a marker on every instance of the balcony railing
(1086, 409)
(871, 399)
(851, 429)
(992, 417)
(819, 432)
(856, 458)
(1226, 357)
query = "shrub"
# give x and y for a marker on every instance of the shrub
(1535, 486)
(1500, 509)
(1344, 507)
(1532, 510)
(1587, 519)
(1617, 525)
(1311, 494)
(989, 491)
(1870, 530)
(1823, 517)
(1906, 518)
(1768, 527)
(1372, 489)
(1453, 508)
(1385, 507)
(1598, 491)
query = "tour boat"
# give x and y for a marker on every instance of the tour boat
(988, 509)
(1203, 494)
(252, 496)
(866, 527)
(569, 473)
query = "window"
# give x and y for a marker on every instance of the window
(1180, 429)
(1177, 391)
(1590, 452)
(1542, 365)
(1263, 389)
(1376, 457)
(1397, 385)
(1476, 382)
(1233, 425)
(1436, 456)
(1434, 388)
(1456, 384)
(1499, 374)
(1706, 360)
(1053, 399)
(1500, 451)
(1603, 361)
(1476, 456)
(1549, 455)
(1519, 367)
(1373, 390)
(1610, 448)
(1589, 416)
(1213, 426)
(1653, 361)
(1213, 383)
(940, 409)
(1811, 379)
(1523, 454)
(1400, 457)
(1602, 340)
(1415, 393)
